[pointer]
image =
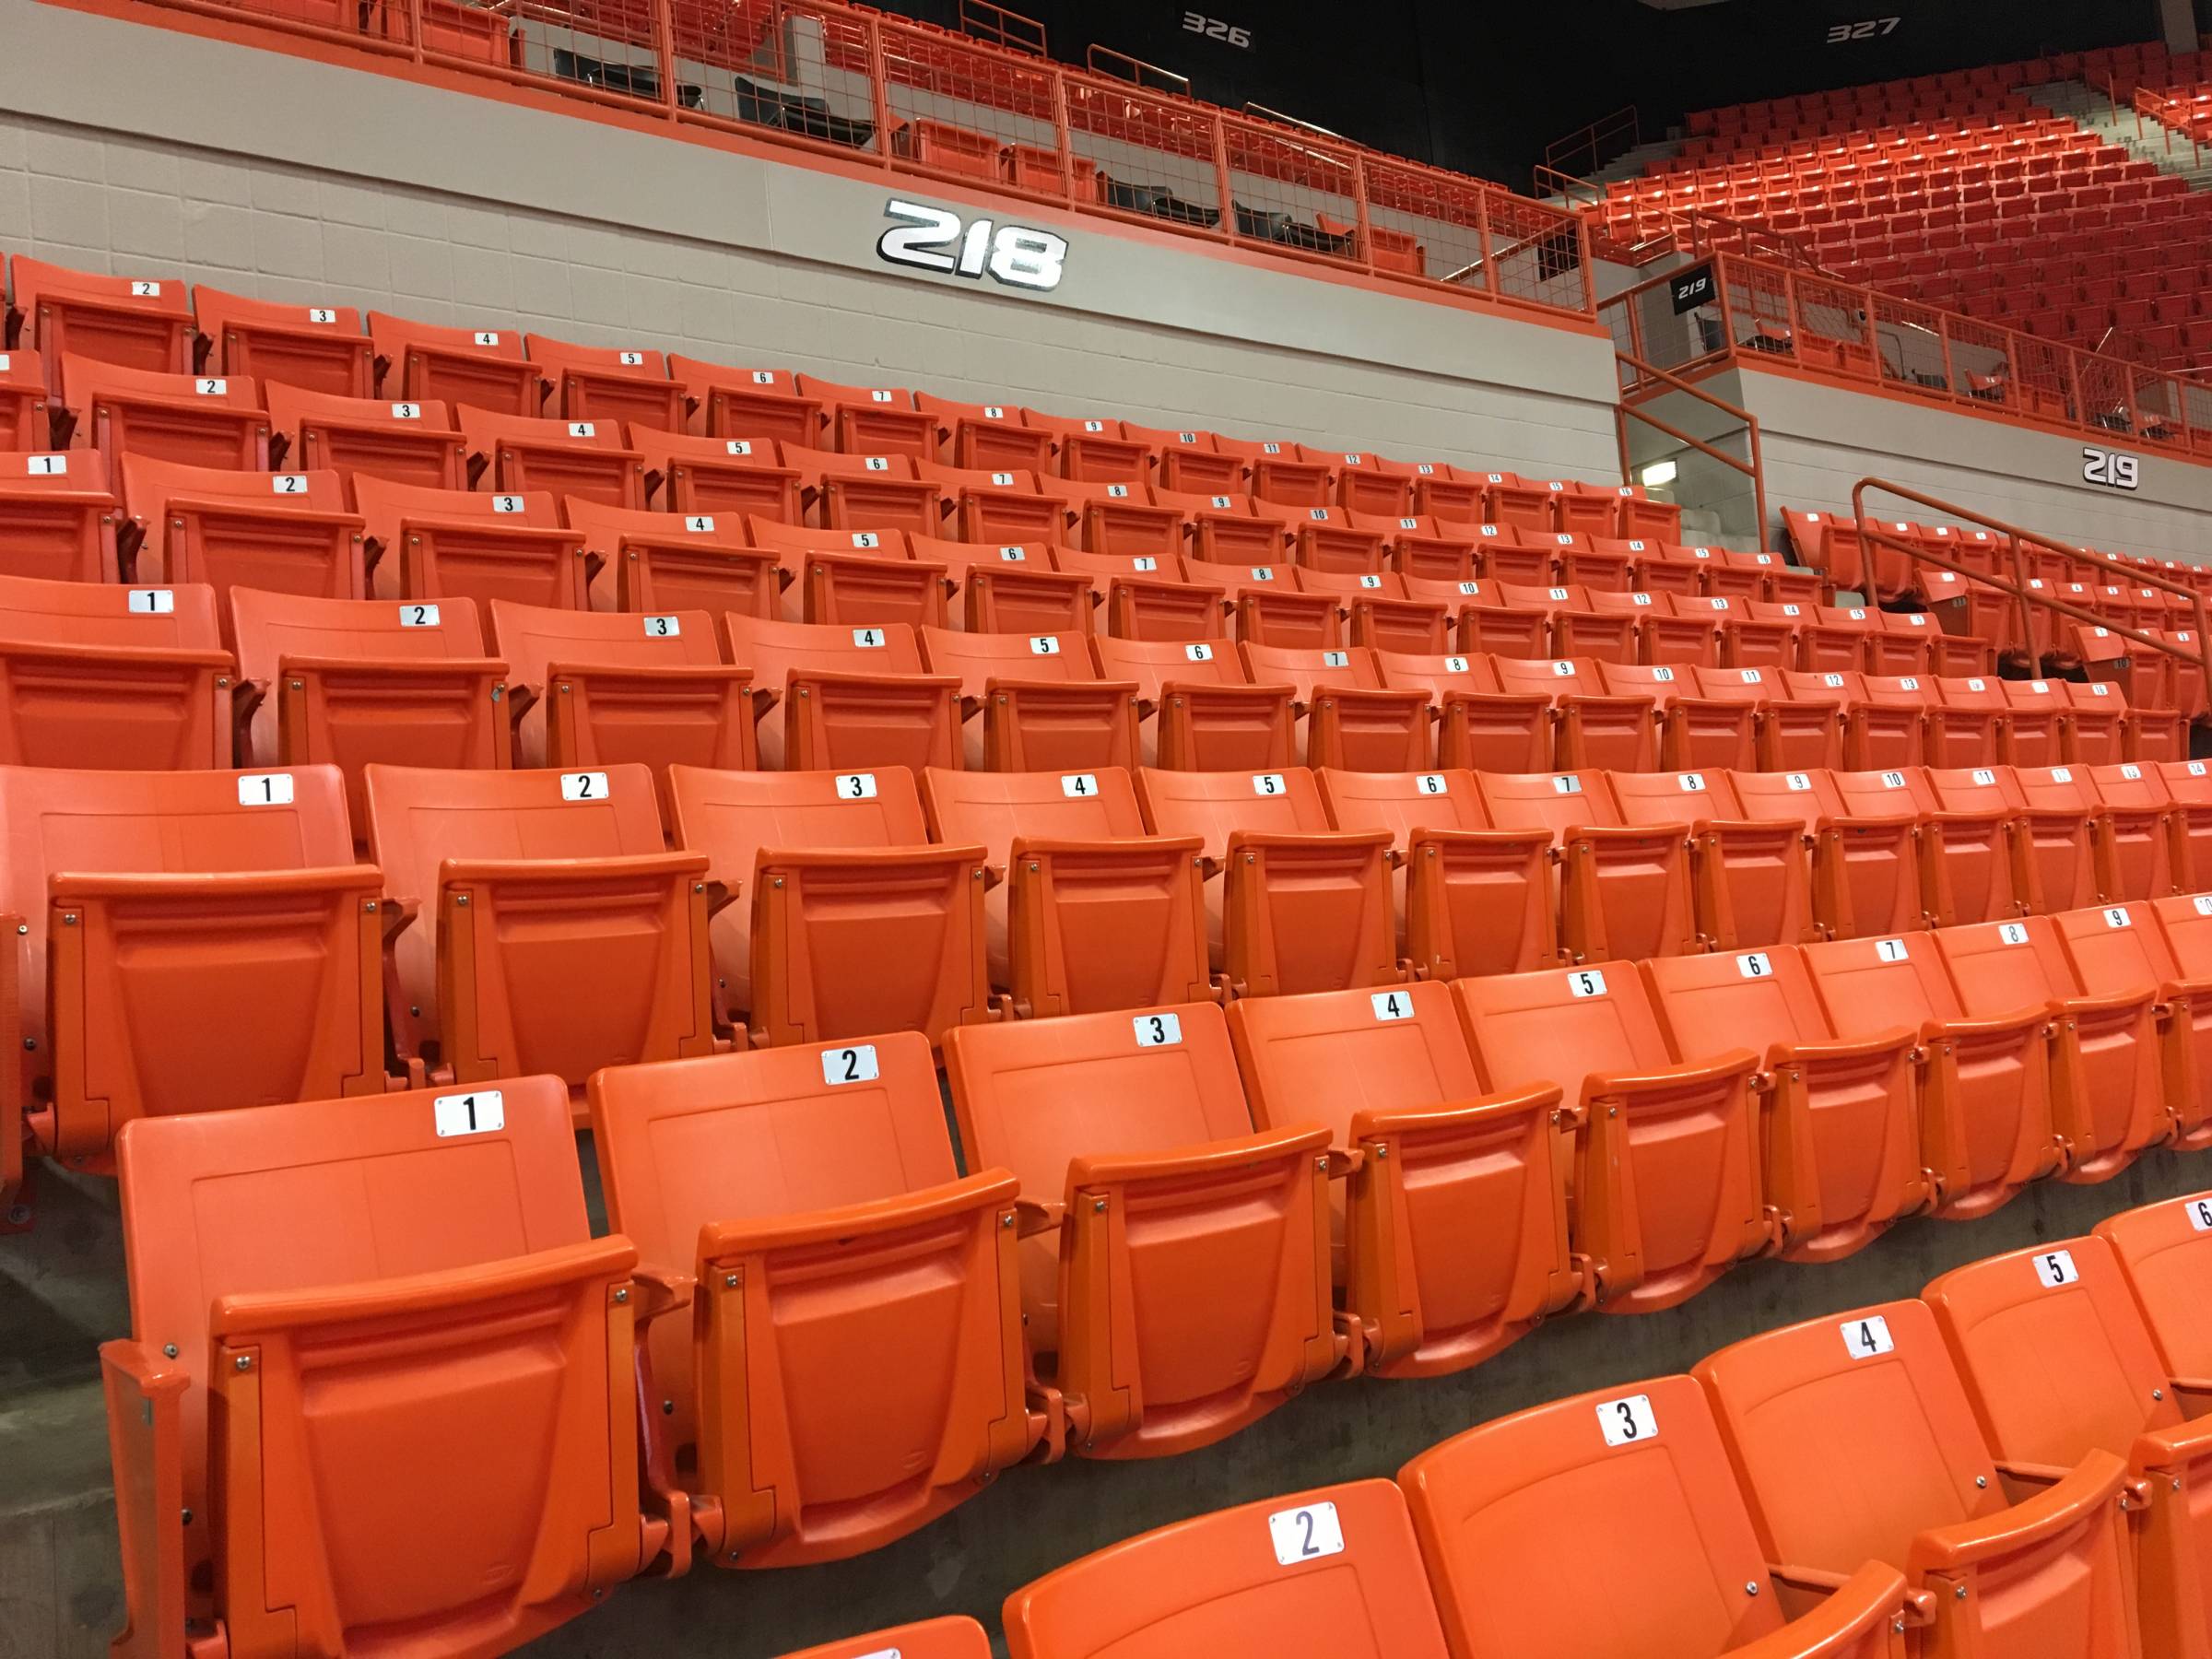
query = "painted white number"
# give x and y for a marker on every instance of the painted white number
(1627, 1423)
(265, 789)
(856, 786)
(1158, 1030)
(150, 602)
(1864, 1338)
(483, 1113)
(1305, 1534)
(583, 786)
(856, 1064)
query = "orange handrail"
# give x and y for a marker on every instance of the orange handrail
(1592, 138)
(1755, 470)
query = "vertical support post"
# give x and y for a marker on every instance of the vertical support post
(879, 91)
(1229, 201)
(1366, 226)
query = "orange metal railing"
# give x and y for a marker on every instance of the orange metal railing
(1588, 149)
(1118, 138)
(1753, 468)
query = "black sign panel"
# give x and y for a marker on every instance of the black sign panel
(1693, 287)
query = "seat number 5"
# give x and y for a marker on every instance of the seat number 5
(1017, 256)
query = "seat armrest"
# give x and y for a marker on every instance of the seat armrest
(69, 888)
(1147, 846)
(1452, 1115)
(1735, 1063)
(990, 1188)
(2171, 1450)
(145, 1442)
(2092, 1485)
(2000, 1025)
(1259, 840)
(249, 1314)
(1212, 1158)
(1896, 1038)
(455, 872)
(1871, 1601)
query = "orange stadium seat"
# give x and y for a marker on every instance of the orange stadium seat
(438, 543)
(884, 491)
(1642, 1481)
(537, 922)
(833, 915)
(993, 436)
(1625, 888)
(607, 384)
(1085, 911)
(734, 476)
(1666, 1155)
(598, 688)
(845, 1273)
(520, 455)
(2134, 830)
(1710, 734)
(1145, 598)
(1592, 727)
(318, 349)
(2162, 1247)
(1332, 1570)
(1010, 588)
(847, 576)
(428, 1260)
(58, 517)
(851, 697)
(288, 532)
(2189, 783)
(936, 1638)
(1367, 483)
(1975, 863)
(1175, 1278)
(135, 321)
(1479, 726)
(1198, 707)
(344, 682)
(2116, 951)
(765, 405)
(194, 420)
(2056, 808)
(1470, 898)
(868, 419)
(980, 505)
(1094, 449)
(2002, 1318)
(1193, 463)
(1351, 721)
(481, 367)
(1446, 492)
(1875, 1391)
(134, 678)
(1452, 1234)
(1751, 874)
(26, 421)
(1042, 706)
(1865, 865)
(676, 561)
(271, 994)
(1288, 474)
(1842, 1140)
(406, 442)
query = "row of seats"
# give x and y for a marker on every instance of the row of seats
(145, 339)
(1151, 1251)
(487, 922)
(1937, 93)
(2007, 1465)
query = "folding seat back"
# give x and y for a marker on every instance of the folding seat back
(2134, 828)
(1841, 1141)
(1875, 1394)
(876, 491)
(193, 420)
(519, 453)
(1332, 1570)
(595, 689)
(1885, 723)
(1666, 1157)
(995, 504)
(2034, 732)
(841, 577)
(736, 475)
(1146, 597)
(2189, 783)
(1093, 449)
(437, 544)
(660, 562)
(1472, 898)
(986, 435)
(933, 1639)
(1366, 483)
(1452, 1241)
(427, 1261)
(1041, 702)
(1181, 1286)
(25, 423)
(484, 367)
(1200, 710)
(1288, 474)
(2106, 1099)
(1974, 847)
(2164, 1248)
(835, 916)
(288, 532)
(1352, 721)
(186, 941)
(869, 419)
(846, 1272)
(1592, 729)
(852, 697)
(407, 443)
(1642, 1480)
(1625, 888)
(344, 682)
(609, 383)
(2003, 1320)
(1086, 911)
(131, 677)
(2057, 806)
(540, 923)
(765, 405)
(1293, 904)
(318, 349)
(1189, 463)
(1750, 877)
(137, 322)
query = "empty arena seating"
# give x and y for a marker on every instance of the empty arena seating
(58, 517)
(649, 562)
(1875, 1391)
(141, 322)
(132, 676)
(1640, 1479)
(271, 994)
(850, 696)
(196, 421)
(518, 454)
(1103, 1118)
(617, 386)
(1198, 709)
(761, 1180)
(481, 367)
(1665, 1155)
(406, 442)
(317, 349)
(288, 532)
(1334, 1570)
(1084, 910)
(1452, 1234)
(432, 543)
(363, 1246)
(538, 922)
(1033, 701)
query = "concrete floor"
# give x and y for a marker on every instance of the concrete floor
(61, 1292)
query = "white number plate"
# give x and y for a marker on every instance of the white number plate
(483, 1113)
